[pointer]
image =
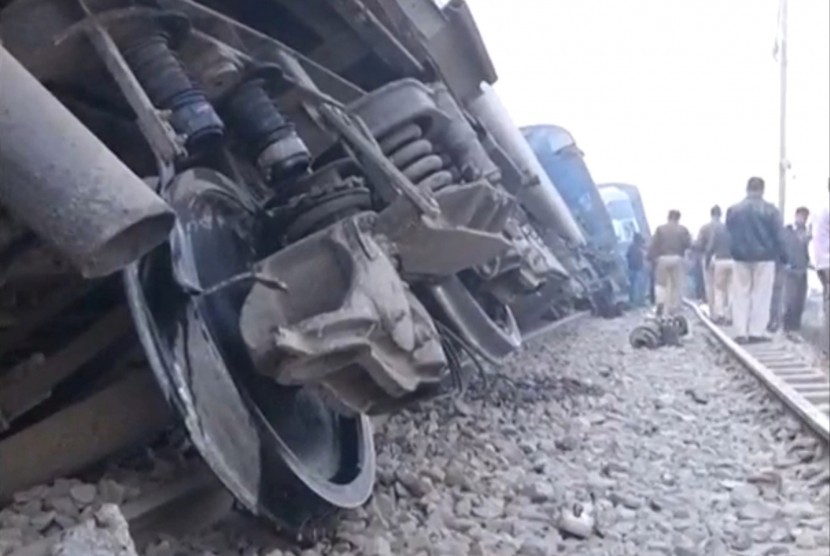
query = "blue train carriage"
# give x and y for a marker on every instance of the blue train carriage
(564, 163)
(628, 216)
(625, 207)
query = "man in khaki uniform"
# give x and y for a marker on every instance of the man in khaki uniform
(702, 242)
(667, 253)
(718, 253)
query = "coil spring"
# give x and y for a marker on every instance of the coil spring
(416, 156)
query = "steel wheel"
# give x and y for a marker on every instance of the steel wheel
(279, 450)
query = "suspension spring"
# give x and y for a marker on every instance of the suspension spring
(416, 156)
(267, 135)
(163, 77)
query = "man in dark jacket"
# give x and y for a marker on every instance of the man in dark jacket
(755, 231)
(796, 250)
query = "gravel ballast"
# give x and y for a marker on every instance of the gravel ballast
(587, 446)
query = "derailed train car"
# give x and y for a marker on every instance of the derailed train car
(563, 162)
(319, 207)
(625, 208)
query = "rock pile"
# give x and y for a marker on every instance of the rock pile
(587, 447)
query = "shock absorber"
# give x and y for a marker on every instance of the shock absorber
(416, 157)
(268, 136)
(163, 77)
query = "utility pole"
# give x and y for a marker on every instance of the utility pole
(783, 164)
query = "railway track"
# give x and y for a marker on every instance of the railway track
(803, 387)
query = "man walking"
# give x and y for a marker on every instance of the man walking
(821, 260)
(667, 253)
(755, 231)
(701, 244)
(796, 243)
(636, 258)
(718, 256)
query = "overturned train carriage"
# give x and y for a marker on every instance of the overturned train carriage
(353, 221)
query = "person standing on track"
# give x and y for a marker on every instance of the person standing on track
(821, 260)
(796, 248)
(702, 242)
(755, 230)
(718, 256)
(636, 258)
(666, 252)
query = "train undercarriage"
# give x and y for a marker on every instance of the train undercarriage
(312, 221)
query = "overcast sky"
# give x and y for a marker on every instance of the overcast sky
(679, 97)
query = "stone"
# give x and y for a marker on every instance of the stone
(805, 539)
(111, 492)
(30, 508)
(685, 550)
(63, 505)
(43, 520)
(780, 534)
(105, 535)
(567, 443)
(464, 507)
(580, 526)
(740, 541)
(488, 508)
(378, 546)
(757, 511)
(83, 494)
(417, 486)
(626, 500)
(535, 547)
(799, 510)
(539, 491)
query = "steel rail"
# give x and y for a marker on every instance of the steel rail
(804, 389)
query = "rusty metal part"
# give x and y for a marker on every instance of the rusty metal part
(491, 336)
(368, 27)
(22, 390)
(659, 331)
(358, 332)
(447, 38)
(126, 413)
(66, 185)
(802, 387)
(398, 103)
(646, 336)
(467, 233)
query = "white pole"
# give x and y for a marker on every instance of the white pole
(783, 165)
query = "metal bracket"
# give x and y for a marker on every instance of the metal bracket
(164, 141)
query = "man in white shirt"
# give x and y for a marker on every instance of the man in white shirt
(821, 260)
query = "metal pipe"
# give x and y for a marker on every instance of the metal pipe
(63, 183)
(542, 200)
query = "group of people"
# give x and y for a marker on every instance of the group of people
(755, 269)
